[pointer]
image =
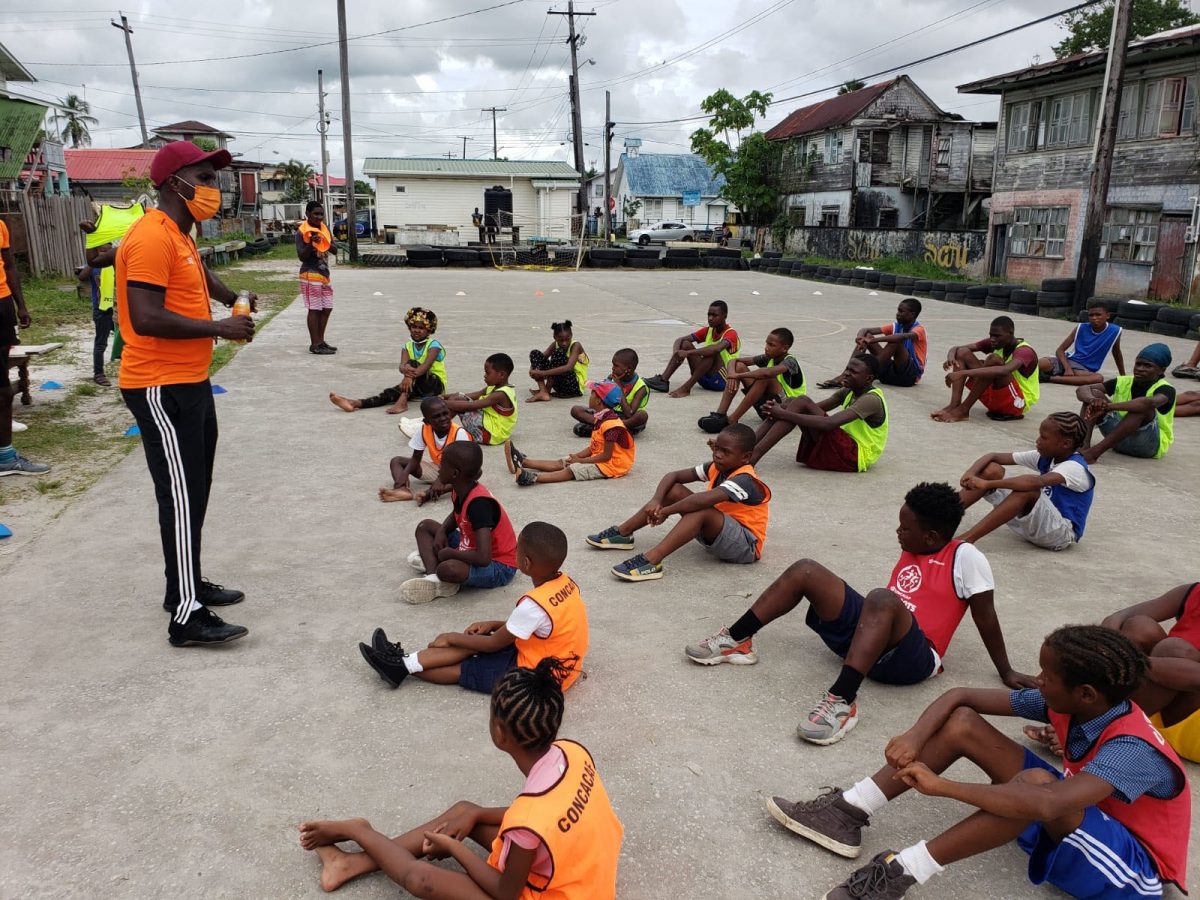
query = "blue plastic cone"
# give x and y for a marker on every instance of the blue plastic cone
(51, 386)
(5, 531)
(217, 389)
(133, 431)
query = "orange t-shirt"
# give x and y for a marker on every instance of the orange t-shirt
(155, 255)
(4, 245)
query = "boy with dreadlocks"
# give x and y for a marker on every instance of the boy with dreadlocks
(422, 369)
(1048, 509)
(1113, 824)
(559, 838)
(548, 620)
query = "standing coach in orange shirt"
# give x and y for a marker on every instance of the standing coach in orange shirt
(163, 294)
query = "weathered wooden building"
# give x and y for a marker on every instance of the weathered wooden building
(1049, 121)
(885, 156)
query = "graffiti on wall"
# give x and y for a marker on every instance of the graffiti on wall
(951, 255)
(955, 251)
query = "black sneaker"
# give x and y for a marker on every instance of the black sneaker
(658, 383)
(828, 821)
(391, 671)
(322, 350)
(329, 347)
(582, 430)
(713, 423)
(883, 878)
(526, 477)
(204, 627)
(211, 594)
(380, 644)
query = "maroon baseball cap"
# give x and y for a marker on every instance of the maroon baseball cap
(178, 154)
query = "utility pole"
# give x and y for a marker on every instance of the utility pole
(344, 59)
(464, 140)
(1102, 156)
(576, 123)
(608, 131)
(137, 91)
(493, 110)
(323, 127)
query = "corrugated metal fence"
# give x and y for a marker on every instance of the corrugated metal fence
(48, 229)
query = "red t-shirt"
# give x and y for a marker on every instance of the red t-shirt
(700, 334)
(1187, 624)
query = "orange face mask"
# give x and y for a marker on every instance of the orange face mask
(205, 202)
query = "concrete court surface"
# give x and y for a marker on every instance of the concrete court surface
(132, 769)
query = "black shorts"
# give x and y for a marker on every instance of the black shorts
(900, 376)
(481, 671)
(909, 662)
(8, 322)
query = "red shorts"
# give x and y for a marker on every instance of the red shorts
(317, 295)
(830, 451)
(1007, 401)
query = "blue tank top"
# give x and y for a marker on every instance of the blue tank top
(897, 328)
(1074, 505)
(1091, 349)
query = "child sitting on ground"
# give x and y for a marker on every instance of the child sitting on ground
(900, 347)
(1048, 509)
(849, 440)
(437, 431)
(728, 519)
(531, 855)
(777, 377)
(1136, 413)
(475, 546)
(895, 636)
(610, 454)
(422, 369)
(718, 346)
(550, 620)
(630, 406)
(1081, 354)
(1114, 824)
(1005, 380)
(489, 414)
(562, 370)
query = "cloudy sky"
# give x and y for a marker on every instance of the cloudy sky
(416, 90)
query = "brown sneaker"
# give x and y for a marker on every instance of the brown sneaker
(828, 820)
(883, 878)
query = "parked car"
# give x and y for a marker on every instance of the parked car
(662, 232)
(364, 225)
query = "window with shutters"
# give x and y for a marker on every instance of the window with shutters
(1151, 109)
(833, 148)
(652, 209)
(943, 152)
(1023, 126)
(1069, 121)
(830, 215)
(1039, 231)
(873, 147)
(1127, 119)
(1130, 235)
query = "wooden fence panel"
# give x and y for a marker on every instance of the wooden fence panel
(52, 232)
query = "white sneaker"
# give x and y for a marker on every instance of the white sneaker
(410, 427)
(414, 560)
(18, 427)
(422, 590)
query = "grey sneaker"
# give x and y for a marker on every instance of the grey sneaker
(829, 721)
(526, 477)
(883, 878)
(610, 539)
(828, 821)
(721, 648)
(422, 590)
(22, 466)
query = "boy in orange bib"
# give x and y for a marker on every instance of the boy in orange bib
(558, 840)
(438, 430)
(550, 619)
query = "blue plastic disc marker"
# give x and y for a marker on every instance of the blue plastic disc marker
(217, 389)
(51, 386)
(133, 431)
(5, 531)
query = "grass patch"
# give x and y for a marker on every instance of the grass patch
(274, 293)
(55, 307)
(899, 266)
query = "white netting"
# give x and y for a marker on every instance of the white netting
(536, 242)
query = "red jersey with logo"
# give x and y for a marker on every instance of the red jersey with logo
(1161, 826)
(1187, 625)
(925, 584)
(504, 539)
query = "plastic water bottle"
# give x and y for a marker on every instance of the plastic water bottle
(241, 306)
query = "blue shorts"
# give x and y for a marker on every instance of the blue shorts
(712, 382)
(1099, 859)
(493, 575)
(901, 376)
(481, 671)
(1143, 443)
(910, 661)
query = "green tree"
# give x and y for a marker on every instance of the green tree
(77, 121)
(297, 174)
(749, 162)
(208, 145)
(849, 87)
(1091, 28)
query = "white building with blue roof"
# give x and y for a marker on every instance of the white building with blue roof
(676, 187)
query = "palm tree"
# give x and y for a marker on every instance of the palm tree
(851, 86)
(76, 130)
(297, 174)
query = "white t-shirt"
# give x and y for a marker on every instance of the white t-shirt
(528, 619)
(417, 441)
(972, 572)
(1072, 471)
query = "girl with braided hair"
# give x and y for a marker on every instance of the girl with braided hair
(422, 369)
(1049, 509)
(558, 840)
(560, 370)
(1114, 824)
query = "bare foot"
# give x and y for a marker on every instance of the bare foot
(400, 406)
(320, 833)
(393, 494)
(680, 392)
(538, 397)
(949, 415)
(343, 403)
(335, 867)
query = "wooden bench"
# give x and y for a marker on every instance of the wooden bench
(19, 358)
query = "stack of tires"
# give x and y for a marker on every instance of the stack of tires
(639, 258)
(1023, 301)
(1137, 315)
(807, 270)
(608, 257)
(683, 258)
(755, 263)
(976, 295)
(904, 284)
(823, 273)
(770, 265)
(999, 296)
(462, 257)
(1056, 298)
(722, 258)
(921, 288)
(956, 292)
(384, 260)
(425, 257)
(1176, 321)
(887, 281)
(1193, 331)
(858, 277)
(871, 279)
(937, 290)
